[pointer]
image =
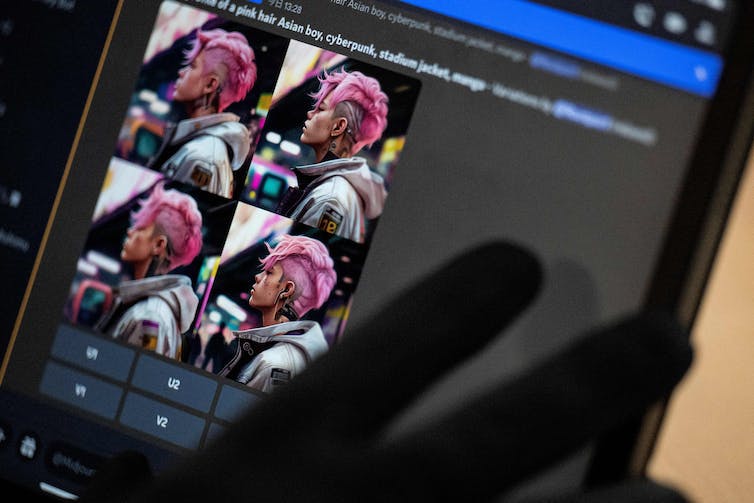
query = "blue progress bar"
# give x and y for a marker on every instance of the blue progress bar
(652, 58)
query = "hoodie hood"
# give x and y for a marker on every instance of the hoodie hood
(174, 289)
(225, 126)
(306, 335)
(368, 185)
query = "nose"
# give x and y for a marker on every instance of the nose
(256, 277)
(309, 114)
(182, 71)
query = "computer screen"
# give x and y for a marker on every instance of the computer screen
(184, 178)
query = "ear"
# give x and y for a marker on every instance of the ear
(339, 126)
(160, 245)
(211, 83)
(289, 289)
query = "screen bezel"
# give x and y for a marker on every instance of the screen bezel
(689, 247)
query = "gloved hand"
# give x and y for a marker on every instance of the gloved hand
(322, 438)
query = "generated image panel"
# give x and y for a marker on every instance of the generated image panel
(201, 98)
(328, 151)
(143, 273)
(279, 300)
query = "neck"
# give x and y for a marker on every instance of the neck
(140, 269)
(268, 317)
(201, 112)
(154, 266)
(197, 109)
(320, 152)
(341, 148)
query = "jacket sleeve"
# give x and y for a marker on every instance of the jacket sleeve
(271, 369)
(151, 325)
(334, 208)
(261, 379)
(203, 162)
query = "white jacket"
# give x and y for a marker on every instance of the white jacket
(295, 345)
(161, 310)
(203, 158)
(344, 195)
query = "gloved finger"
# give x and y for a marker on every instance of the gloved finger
(535, 419)
(119, 478)
(295, 444)
(423, 332)
(635, 491)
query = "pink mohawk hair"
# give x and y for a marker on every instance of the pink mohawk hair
(360, 99)
(307, 263)
(175, 215)
(232, 50)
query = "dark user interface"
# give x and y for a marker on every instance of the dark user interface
(40, 109)
(242, 163)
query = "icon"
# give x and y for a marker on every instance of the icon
(675, 22)
(6, 27)
(4, 435)
(28, 446)
(705, 33)
(700, 73)
(15, 199)
(716, 4)
(644, 14)
(91, 353)
(80, 390)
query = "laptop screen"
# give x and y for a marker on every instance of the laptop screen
(183, 179)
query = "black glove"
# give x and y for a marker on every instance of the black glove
(322, 438)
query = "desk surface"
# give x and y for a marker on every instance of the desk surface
(706, 445)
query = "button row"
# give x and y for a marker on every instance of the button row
(166, 380)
